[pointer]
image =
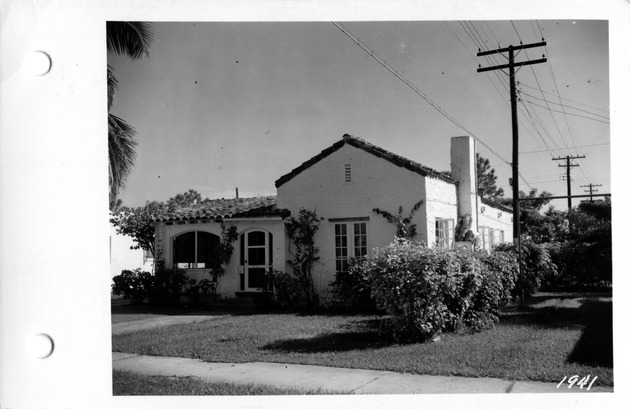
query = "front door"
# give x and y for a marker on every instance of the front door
(256, 259)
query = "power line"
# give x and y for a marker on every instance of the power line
(386, 65)
(532, 122)
(555, 83)
(566, 106)
(479, 43)
(565, 99)
(567, 113)
(538, 83)
(583, 146)
(472, 55)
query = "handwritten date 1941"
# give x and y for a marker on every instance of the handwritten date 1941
(575, 380)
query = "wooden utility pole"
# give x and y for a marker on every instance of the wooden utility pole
(590, 187)
(516, 222)
(568, 165)
(516, 225)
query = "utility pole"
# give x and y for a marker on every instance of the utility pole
(590, 187)
(568, 165)
(516, 225)
(516, 222)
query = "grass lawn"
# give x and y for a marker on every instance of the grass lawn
(128, 383)
(557, 335)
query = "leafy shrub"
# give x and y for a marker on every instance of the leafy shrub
(286, 289)
(133, 285)
(351, 290)
(169, 286)
(429, 291)
(536, 264)
(579, 265)
(498, 284)
(197, 292)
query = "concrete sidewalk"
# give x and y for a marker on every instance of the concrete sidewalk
(356, 381)
(161, 321)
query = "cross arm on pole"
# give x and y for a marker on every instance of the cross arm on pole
(513, 47)
(516, 64)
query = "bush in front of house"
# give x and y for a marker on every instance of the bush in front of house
(286, 290)
(429, 291)
(536, 264)
(499, 274)
(199, 293)
(135, 285)
(170, 284)
(351, 290)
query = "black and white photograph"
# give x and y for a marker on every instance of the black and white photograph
(355, 207)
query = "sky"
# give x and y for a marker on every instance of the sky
(221, 105)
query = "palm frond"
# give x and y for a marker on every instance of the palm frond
(131, 38)
(122, 153)
(112, 86)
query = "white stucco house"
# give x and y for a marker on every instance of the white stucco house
(344, 183)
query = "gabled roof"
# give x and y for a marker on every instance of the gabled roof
(496, 205)
(226, 208)
(369, 148)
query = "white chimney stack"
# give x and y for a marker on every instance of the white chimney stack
(464, 171)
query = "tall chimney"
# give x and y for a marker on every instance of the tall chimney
(464, 171)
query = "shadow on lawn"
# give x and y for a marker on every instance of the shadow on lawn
(590, 313)
(595, 346)
(359, 335)
(125, 307)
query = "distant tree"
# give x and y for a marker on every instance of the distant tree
(186, 199)
(486, 179)
(132, 39)
(137, 224)
(404, 228)
(534, 224)
(584, 251)
(550, 226)
(538, 201)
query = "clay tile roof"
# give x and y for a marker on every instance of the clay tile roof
(226, 208)
(372, 149)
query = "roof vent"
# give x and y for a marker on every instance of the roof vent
(348, 172)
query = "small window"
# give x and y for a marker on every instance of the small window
(496, 237)
(348, 172)
(485, 237)
(444, 233)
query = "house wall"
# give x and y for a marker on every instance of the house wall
(441, 203)
(228, 284)
(375, 183)
(122, 257)
(497, 219)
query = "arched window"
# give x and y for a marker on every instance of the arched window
(195, 249)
